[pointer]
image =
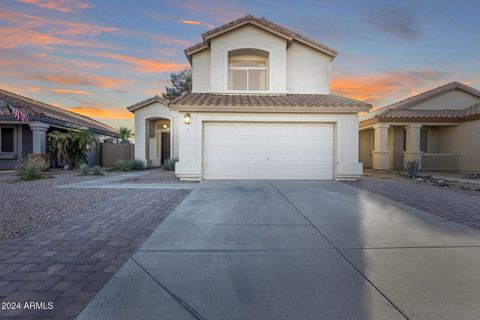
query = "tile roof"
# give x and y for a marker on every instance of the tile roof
(39, 111)
(269, 101)
(400, 110)
(264, 23)
(148, 101)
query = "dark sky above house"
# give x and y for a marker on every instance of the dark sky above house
(97, 57)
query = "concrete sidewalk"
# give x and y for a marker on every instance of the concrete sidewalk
(296, 250)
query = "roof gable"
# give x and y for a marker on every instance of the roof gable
(147, 102)
(416, 107)
(409, 102)
(263, 24)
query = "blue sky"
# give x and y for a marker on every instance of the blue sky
(97, 57)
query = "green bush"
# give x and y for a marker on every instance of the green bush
(169, 164)
(29, 171)
(84, 169)
(412, 168)
(121, 165)
(136, 164)
(96, 171)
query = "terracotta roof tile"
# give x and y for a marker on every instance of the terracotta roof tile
(293, 100)
(43, 112)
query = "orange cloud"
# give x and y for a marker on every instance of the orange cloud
(13, 37)
(70, 91)
(96, 112)
(80, 79)
(65, 6)
(196, 23)
(142, 65)
(387, 87)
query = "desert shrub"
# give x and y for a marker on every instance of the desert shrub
(96, 171)
(412, 168)
(121, 165)
(169, 164)
(83, 169)
(29, 170)
(136, 164)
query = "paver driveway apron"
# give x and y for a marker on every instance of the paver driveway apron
(296, 250)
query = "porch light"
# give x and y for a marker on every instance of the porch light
(187, 118)
(165, 126)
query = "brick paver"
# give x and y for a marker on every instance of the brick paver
(455, 205)
(69, 261)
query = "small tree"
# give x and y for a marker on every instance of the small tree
(71, 145)
(125, 134)
(181, 83)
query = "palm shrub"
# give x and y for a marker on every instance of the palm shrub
(412, 168)
(96, 171)
(84, 169)
(29, 170)
(121, 165)
(71, 145)
(125, 134)
(136, 164)
(169, 164)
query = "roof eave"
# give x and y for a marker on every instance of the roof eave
(266, 109)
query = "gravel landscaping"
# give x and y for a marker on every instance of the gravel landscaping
(27, 205)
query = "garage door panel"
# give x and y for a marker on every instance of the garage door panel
(268, 151)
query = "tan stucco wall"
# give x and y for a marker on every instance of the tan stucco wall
(308, 70)
(248, 37)
(201, 71)
(294, 69)
(346, 138)
(142, 128)
(449, 100)
(463, 140)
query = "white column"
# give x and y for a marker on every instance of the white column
(39, 130)
(380, 153)
(412, 143)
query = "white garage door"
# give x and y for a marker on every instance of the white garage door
(302, 151)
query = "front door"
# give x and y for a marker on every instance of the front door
(165, 146)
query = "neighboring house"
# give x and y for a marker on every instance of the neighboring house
(18, 139)
(440, 128)
(260, 108)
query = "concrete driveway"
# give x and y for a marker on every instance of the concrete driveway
(296, 250)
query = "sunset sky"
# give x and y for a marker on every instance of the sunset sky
(98, 57)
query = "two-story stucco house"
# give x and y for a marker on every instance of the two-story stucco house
(260, 108)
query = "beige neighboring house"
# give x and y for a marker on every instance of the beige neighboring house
(260, 108)
(440, 127)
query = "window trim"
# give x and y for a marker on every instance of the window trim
(269, 70)
(14, 139)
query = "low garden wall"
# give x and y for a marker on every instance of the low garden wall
(112, 152)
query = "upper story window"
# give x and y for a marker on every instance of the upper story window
(248, 69)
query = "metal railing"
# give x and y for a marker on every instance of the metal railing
(439, 161)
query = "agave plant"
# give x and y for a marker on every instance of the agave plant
(136, 164)
(29, 170)
(96, 171)
(84, 169)
(412, 168)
